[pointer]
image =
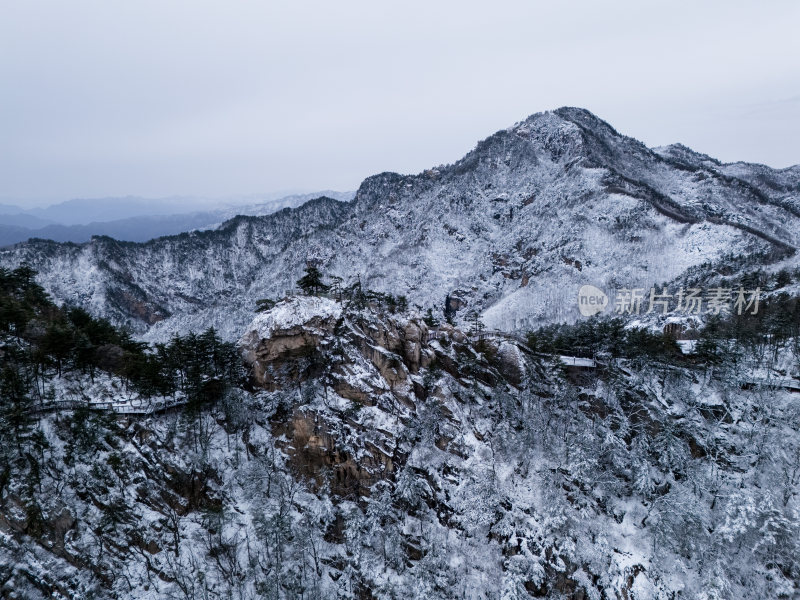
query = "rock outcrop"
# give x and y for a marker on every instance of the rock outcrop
(286, 335)
(370, 363)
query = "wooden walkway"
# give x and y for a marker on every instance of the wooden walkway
(792, 385)
(121, 407)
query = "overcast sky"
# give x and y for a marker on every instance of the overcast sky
(159, 97)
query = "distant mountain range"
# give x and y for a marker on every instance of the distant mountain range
(512, 230)
(135, 219)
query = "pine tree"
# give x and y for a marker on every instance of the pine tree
(15, 401)
(430, 320)
(264, 304)
(474, 318)
(311, 282)
(402, 304)
(23, 276)
(58, 343)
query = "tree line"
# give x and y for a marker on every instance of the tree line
(40, 340)
(722, 338)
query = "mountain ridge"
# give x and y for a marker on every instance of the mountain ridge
(558, 198)
(142, 227)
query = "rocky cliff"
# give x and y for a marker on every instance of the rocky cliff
(370, 455)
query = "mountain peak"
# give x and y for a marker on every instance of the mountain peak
(685, 155)
(532, 211)
(583, 117)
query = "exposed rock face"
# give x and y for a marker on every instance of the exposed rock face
(365, 359)
(286, 335)
(314, 446)
(512, 364)
(455, 301)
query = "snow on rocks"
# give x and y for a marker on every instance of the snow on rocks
(513, 364)
(291, 313)
(287, 330)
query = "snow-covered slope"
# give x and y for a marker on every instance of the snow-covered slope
(372, 460)
(514, 228)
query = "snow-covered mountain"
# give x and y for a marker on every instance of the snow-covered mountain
(512, 229)
(348, 446)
